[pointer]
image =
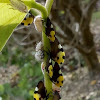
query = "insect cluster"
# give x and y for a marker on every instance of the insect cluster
(56, 57)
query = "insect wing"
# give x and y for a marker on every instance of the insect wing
(28, 20)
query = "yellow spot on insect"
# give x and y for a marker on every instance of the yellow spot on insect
(52, 36)
(36, 96)
(59, 82)
(60, 57)
(27, 21)
(50, 71)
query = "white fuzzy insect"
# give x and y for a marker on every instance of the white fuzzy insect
(19, 5)
(39, 46)
(39, 55)
(38, 23)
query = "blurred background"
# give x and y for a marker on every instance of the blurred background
(20, 72)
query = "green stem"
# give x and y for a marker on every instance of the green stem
(45, 13)
(48, 5)
(34, 12)
(46, 42)
(48, 83)
(33, 4)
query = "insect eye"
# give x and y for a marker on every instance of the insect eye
(24, 18)
(50, 35)
(61, 63)
(30, 15)
(61, 49)
(57, 58)
(50, 63)
(22, 23)
(63, 57)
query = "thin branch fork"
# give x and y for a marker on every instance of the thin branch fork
(74, 44)
(89, 9)
(85, 22)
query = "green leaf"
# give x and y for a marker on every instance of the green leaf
(8, 1)
(9, 19)
(1, 89)
(4, 1)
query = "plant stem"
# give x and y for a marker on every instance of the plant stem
(48, 83)
(34, 12)
(45, 13)
(33, 4)
(48, 5)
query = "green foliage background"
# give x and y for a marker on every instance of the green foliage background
(29, 74)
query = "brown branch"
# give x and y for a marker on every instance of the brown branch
(84, 27)
(74, 7)
(81, 48)
(69, 35)
(89, 10)
(76, 10)
(87, 35)
(83, 17)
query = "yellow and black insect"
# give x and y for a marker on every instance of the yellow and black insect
(28, 20)
(55, 74)
(49, 69)
(40, 91)
(57, 54)
(50, 31)
(57, 77)
(60, 57)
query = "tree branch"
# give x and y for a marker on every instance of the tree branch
(89, 10)
(33, 4)
(73, 7)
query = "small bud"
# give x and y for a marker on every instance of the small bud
(38, 23)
